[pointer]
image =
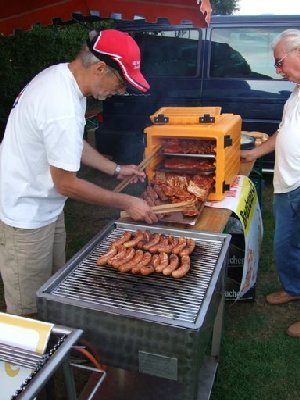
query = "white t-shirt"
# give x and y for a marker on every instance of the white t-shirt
(45, 127)
(287, 147)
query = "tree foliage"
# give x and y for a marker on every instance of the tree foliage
(25, 54)
(224, 7)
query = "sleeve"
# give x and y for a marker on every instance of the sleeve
(64, 143)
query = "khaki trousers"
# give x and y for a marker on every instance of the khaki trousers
(28, 257)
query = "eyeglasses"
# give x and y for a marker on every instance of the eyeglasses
(122, 83)
(279, 63)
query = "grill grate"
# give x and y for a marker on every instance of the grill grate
(155, 295)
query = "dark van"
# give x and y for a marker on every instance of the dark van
(229, 64)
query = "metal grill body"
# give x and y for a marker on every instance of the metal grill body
(152, 324)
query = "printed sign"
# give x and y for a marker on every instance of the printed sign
(242, 200)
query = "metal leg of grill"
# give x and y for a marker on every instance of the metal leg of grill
(50, 390)
(69, 379)
(217, 330)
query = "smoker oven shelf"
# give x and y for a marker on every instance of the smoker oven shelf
(200, 155)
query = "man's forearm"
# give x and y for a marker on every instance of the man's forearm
(266, 147)
(69, 185)
(82, 190)
(92, 158)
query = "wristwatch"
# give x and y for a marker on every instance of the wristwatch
(117, 170)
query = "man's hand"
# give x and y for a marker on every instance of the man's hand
(139, 210)
(248, 155)
(132, 172)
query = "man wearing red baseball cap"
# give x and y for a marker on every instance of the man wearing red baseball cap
(120, 51)
(41, 154)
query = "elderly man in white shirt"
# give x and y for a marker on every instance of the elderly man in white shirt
(286, 181)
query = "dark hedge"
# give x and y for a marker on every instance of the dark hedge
(25, 54)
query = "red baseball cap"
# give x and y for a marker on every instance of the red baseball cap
(122, 49)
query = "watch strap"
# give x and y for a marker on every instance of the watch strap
(117, 170)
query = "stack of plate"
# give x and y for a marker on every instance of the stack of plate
(247, 142)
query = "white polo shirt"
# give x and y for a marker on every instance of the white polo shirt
(287, 147)
(45, 127)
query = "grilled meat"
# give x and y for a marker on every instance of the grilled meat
(160, 253)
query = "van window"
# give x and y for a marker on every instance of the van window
(169, 53)
(244, 53)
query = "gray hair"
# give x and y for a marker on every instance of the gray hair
(85, 55)
(290, 38)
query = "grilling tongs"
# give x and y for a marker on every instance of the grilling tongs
(141, 167)
(168, 208)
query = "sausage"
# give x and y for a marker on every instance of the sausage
(162, 244)
(172, 242)
(145, 261)
(146, 238)
(180, 246)
(147, 235)
(155, 260)
(136, 269)
(162, 240)
(124, 238)
(147, 270)
(190, 246)
(117, 250)
(183, 269)
(129, 254)
(102, 260)
(139, 254)
(173, 264)
(120, 254)
(137, 238)
(163, 262)
(155, 239)
(141, 243)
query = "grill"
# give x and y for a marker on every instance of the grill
(152, 324)
(43, 365)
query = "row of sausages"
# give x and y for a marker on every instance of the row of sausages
(147, 253)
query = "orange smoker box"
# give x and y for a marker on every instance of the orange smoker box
(193, 124)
